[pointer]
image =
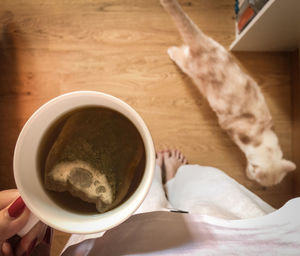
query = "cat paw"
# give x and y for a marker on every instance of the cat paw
(172, 52)
(179, 54)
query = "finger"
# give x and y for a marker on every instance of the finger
(7, 250)
(31, 239)
(7, 197)
(13, 218)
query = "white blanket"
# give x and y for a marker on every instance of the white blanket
(217, 223)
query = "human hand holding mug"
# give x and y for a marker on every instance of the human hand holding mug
(13, 217)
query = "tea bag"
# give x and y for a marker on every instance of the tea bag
(95, 157)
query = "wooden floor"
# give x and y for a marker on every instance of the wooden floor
(119, 47)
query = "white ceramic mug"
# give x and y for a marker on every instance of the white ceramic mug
(26, 171)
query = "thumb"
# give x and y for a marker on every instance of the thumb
(13, 218)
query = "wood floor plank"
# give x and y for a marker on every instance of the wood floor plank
(119, 47)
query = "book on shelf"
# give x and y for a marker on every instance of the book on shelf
(245, 18)
(246, 10)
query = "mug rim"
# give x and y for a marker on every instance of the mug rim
(88, 223)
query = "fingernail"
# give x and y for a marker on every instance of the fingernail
(16, 209)
(47, 237)
(31, 246)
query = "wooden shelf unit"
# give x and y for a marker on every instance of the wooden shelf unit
(275, 28)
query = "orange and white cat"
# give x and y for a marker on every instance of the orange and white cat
(234, 96)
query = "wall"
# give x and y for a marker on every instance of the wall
(296, 117)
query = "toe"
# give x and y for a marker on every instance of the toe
(166, 154)
(159, 158)
(158, 155)
(180, 156)
(173, 153)
(184, 161)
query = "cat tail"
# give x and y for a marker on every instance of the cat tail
(190, 33)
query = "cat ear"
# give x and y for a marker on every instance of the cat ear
(287, 165)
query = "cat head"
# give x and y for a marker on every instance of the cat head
(269, 174)
(266, 164)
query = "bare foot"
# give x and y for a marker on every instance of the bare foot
(172, 159)
(159, 159)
